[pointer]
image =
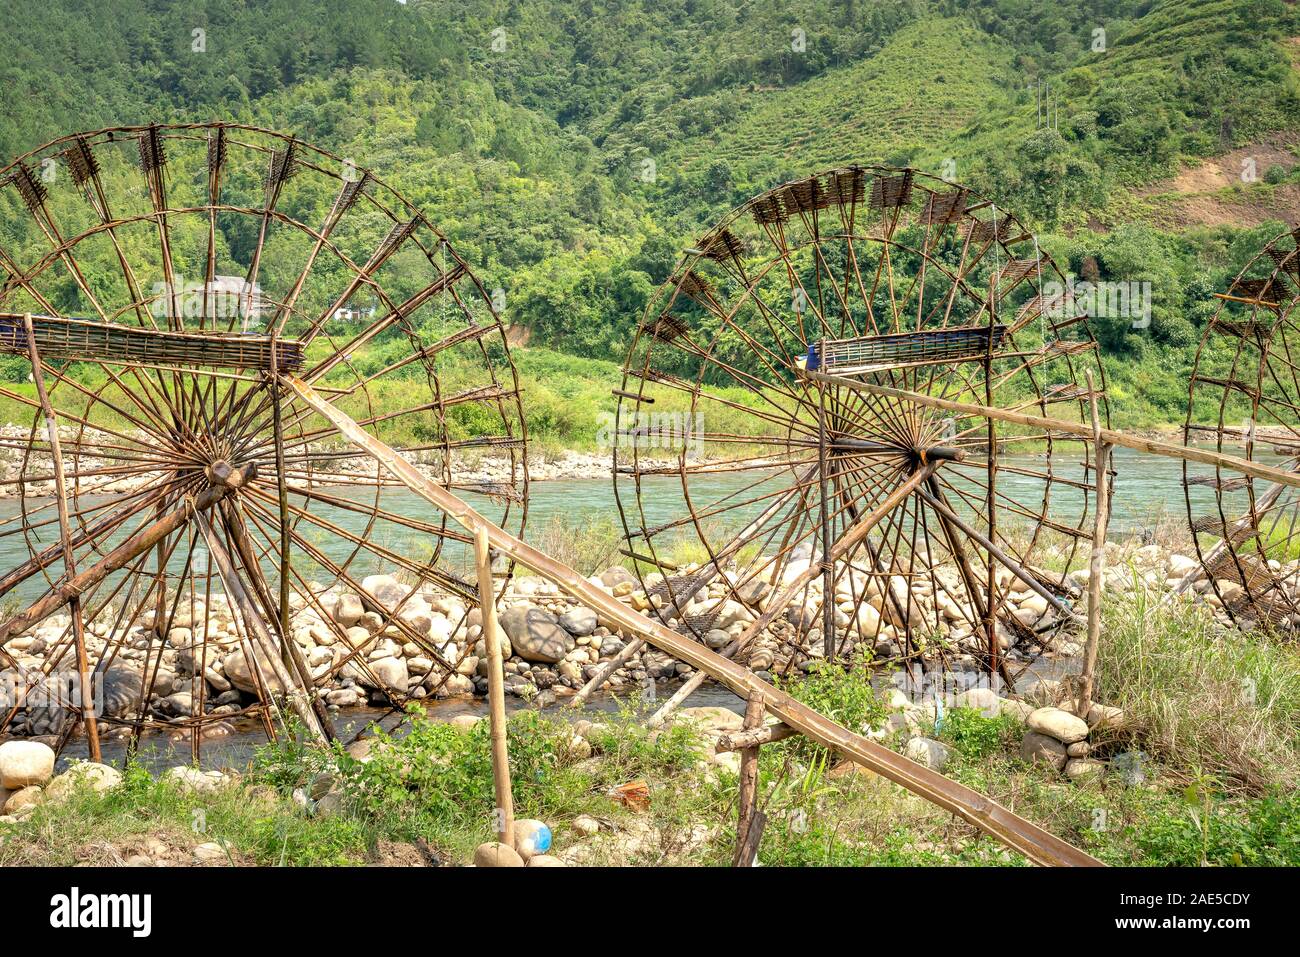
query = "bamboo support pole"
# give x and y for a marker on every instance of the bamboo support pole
(1097, 562)
(748, 793)
(253, 622)
(1036, 844)
(65, 539)
(505, 806)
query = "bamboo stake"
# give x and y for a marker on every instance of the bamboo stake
(65, 537)
(748, 795)
(1097, 562)
(1205, 457)
(1036, 844)
(602, 674)
(505, 809)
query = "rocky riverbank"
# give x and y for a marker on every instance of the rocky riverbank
(389, 641)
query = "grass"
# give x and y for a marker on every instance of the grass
(1201, 696)
(1217, 783)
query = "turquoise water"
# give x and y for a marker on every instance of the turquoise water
(1147, 488)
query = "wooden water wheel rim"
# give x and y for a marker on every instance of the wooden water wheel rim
(720, 294)
(1254, 407)
(148, 436)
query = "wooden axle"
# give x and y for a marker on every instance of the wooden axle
(1109, 436)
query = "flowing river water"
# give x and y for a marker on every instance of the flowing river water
(1148, 489)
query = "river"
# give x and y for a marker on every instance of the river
(1148, 489)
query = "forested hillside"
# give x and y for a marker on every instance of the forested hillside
(572, 148)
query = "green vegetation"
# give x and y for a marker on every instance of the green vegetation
(1203, 772)
(530, 132)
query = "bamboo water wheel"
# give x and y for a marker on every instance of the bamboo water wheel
(162, 280)
(1245, 400)
(935, 524)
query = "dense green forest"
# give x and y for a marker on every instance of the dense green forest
(571, 149)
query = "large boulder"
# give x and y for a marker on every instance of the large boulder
(1058, 724)
(1043, 749)
(536, 635)
(236, 668)
(87, 775)
(25, 763)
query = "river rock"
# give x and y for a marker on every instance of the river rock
(22, 799)
(385, 589)
(391, 673)
(496, 854)
(545, 860)
(586, 825)
(24, 763)
(927, 752)
(121, 691)
(983, 700)
(99, 778)
(615, 576)
(189, 780)
(535, 634)
(349, 610)
(1061, 725)
(715, 638)
(237, 671)
(1084, 770)
(579, 622)
(210, 852)
(1043, 749)
(712, 718)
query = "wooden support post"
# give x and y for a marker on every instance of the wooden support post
(505, 809)
(260, 636)
(1097, 563)
(65, 538)
(766, 734)
(829, 645)
(748, 800)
